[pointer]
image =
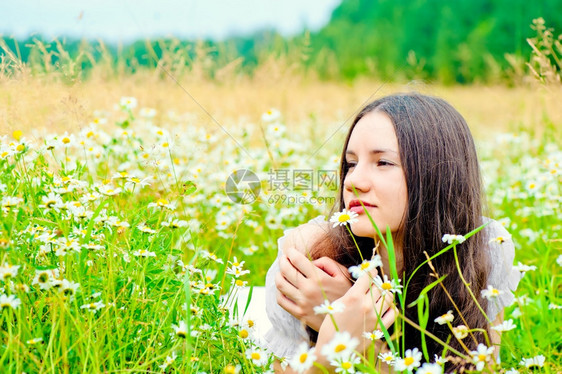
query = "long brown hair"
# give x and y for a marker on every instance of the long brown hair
(444, 197)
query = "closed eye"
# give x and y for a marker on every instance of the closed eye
(350, 164)
(385, 163)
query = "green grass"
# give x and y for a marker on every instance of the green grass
(149, 284)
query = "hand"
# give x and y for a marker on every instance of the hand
(363, 301)
(304, 284)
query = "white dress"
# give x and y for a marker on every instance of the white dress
(287, 332)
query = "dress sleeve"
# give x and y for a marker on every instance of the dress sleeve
(502, 274)
(287, 332)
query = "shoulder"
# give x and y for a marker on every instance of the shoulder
(304, 236)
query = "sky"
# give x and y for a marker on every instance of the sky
(128, 20)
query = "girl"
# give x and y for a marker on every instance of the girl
(409, 160)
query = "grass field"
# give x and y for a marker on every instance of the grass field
(120, 250)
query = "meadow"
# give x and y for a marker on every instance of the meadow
(123, 245)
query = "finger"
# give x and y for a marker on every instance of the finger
(389, 317)
(330, 267)
(383, 303)
(285, 287)
(362, 285)
(289, 272)
(301, 263)
(286, 303)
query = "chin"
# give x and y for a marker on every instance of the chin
(364, 230)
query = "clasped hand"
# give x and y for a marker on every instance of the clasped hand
(303, 284)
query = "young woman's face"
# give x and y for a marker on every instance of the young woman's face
(375, 171)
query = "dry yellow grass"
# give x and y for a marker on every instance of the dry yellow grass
(46, 104)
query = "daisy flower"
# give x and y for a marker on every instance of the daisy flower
(303, 359)
(481, 356)
(9, 302)
(344, 217)
(93, 307)
(8, 271)
(211, 256)
(365, 267)
(109, 190)
(345, 364)
(460, 332)
(257, 356)
(127, 102)
(162, 203)
(231, 369)
(447, 317)
(387, 286)
(451, 238)
(68, 288)
(341, 345)
(505, 326)
(169, 361)
(388, 358)
(44, 278)
(144, 228)
(411, 360)
(34, 341)
(491, 292)
(524, 268)
(271, 115)
(239, 283)
(329, 308)
(428, 368)
(180, 330)
(498, 239)
(174, 223)
(236, 271)
(144, 253)
(375, 335)
(533, 361)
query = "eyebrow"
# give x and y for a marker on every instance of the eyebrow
(373, 151)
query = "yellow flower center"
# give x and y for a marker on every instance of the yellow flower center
(364, 265)
(481, 357)
(162, 202)
(17, 134)
(239, 283)
(386, 286)
(229, 369)
(243, 334)
(346, 365)
(303, 357)
(250, 323)
(344, 218)
(340, 347)
(408, 361)
(256, 356)
(20, 147)
(66, 140)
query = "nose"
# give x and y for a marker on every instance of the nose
(358, 179)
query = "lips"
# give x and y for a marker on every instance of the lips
(355, 206)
